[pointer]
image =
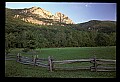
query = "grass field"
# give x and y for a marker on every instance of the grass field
(14, 69)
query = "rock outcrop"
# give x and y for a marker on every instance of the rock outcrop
(41, 16)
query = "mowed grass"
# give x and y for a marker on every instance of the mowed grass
(14, 69)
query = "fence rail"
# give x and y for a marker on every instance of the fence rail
(97, 64)
(10, 57)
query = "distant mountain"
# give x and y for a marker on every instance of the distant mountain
(39, 16)
(96, 22)
(97, 25)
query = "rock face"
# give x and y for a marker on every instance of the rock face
(41, 16)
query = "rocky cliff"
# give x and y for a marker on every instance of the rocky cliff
(41, 16)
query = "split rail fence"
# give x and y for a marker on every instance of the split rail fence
(97, 64)
(10, 57)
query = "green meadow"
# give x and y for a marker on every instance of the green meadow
(15, 69)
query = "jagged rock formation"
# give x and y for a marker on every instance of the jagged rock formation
(41, 16)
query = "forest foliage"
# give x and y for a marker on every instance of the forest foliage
(19, 34)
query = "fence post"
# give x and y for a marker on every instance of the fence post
(34, 60)
(18, 57)
(95, 64)
(50, 63)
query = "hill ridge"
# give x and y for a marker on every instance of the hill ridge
(41, 16)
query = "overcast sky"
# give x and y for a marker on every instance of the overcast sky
(78, 12)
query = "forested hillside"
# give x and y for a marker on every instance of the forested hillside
(20, 34)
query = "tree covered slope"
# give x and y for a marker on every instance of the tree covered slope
(21, 34)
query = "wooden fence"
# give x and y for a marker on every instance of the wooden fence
(33, 61)
(97, 64)
(10, 57)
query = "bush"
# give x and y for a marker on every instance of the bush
(25, 49)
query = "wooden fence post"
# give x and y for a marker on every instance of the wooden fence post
(34, 60)
(18, 57)
(50, 64)
(95, 64)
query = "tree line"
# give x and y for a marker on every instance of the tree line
(55, 36)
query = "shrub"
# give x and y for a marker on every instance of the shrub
(25, 49)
